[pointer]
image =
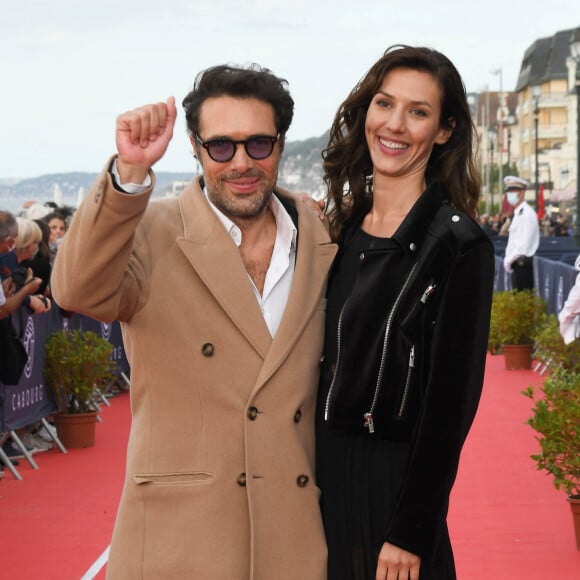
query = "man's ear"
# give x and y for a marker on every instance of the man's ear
(194, 146)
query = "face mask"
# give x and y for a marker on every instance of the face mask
(513, 197)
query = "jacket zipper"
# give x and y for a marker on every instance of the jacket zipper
(428, 291)
(368, 421)
(338, 342)
(410, 369)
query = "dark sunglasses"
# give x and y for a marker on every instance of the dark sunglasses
(223, 149)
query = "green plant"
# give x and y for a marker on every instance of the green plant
(556, 417)
(551, 349)
(76, 364)
(516, 318)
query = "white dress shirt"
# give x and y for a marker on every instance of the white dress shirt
(524, 235)
(280, 272)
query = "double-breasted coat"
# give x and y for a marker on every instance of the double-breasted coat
(220, 463)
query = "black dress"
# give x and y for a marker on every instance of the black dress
(360, 477)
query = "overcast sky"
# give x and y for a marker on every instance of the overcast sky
(68, 67)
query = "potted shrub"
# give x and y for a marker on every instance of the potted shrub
(76, 364)
(516, 319)
(551, 350)
(556, 418)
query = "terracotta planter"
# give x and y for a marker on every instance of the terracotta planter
(517, 356)
(76, 430)
(574, 501)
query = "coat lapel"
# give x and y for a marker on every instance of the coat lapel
(217, 261)
(313, 261)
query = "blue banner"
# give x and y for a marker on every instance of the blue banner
(29, 401)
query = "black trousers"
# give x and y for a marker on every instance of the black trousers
(523, 274)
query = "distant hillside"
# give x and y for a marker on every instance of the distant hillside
(300, 170)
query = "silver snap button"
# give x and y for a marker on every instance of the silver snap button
(455, 218)
(412, 246)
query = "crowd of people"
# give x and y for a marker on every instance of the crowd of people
(555, 224)
(28, 244)
(302, 381)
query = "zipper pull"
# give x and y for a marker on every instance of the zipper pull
(369, 423)
(428, 291)
(412, 357)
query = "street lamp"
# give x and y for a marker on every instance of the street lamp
(575, 52)
(536, 92)
(499, 71)
(491, 136)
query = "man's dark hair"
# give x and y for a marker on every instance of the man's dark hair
(253, 82)
(8, 225)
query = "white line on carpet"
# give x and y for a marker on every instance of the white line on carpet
(96, 567)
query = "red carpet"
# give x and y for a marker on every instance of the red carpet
(58, 520)
(506, 519)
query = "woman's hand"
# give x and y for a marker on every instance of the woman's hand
(316, 207)
(397, 564)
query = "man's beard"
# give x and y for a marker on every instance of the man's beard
(246, 207)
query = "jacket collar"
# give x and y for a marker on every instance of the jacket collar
(412, 231)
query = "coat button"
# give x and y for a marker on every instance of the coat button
(412, 246)
(208, 349)
(297, 416)
(455, 218)
(302, 480)
(252, 413)
(242, 480)
(361, 256)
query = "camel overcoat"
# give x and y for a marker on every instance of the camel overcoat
(220, 464)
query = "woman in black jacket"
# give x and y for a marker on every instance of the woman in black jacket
(408, 317)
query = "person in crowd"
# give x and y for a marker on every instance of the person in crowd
(58, 227)
(25, 246)
(13, 234)
(561, 228)
(221, 296)
(524, 235)
(409, 300)
(569, 316)
(505, 222)
(40, 261)
(10, 297)
(494, 224)
(485, 224)
(33, 210)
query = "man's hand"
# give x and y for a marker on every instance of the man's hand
(39, 304)
(142, 137)
(395, 563)
(32, 285)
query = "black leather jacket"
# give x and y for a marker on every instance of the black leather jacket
(411, 348)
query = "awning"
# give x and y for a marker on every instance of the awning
(562, 195)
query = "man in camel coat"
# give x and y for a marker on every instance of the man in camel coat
(220, 293)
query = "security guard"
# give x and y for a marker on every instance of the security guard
(524, 235)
